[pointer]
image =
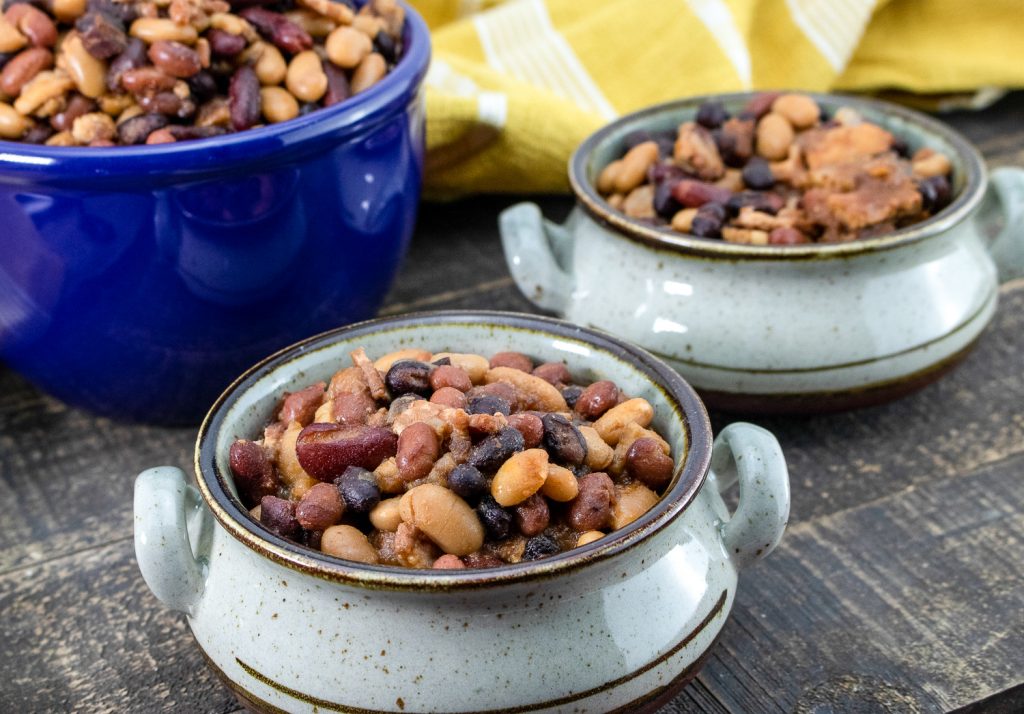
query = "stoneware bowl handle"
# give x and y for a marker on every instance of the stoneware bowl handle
(533, 246)
(752, 456)
(169, 518)
(1007, 247)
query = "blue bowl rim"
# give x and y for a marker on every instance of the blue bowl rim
(39, 163)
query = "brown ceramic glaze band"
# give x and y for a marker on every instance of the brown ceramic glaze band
(664, 238)
(234, 517)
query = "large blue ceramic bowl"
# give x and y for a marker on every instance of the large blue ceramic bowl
(138, 281)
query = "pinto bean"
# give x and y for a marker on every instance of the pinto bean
(530, 426)
(647, 462)
(300, 406)
(174, 58)
(554, 373)
(597, 398)
(418, 449)
(320, 508)
(449, 397)
(532, 515)
(476, 366)
(591, 510)
(515, 360)
(450, 376)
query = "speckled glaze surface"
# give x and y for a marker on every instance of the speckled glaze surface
(615, 625)
(780, 328)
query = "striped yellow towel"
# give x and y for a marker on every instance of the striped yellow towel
(515, 85)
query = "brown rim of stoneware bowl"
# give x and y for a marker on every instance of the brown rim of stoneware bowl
(687, 480)
(665, 238)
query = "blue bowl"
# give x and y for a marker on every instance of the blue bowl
(136, 282)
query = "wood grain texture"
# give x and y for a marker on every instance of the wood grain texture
(899, 586)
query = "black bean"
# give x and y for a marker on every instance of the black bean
(571, 393)
(103, 35)
(5, 57)
(443, 362)
(37, 134)
(563, 441)
(496, 520)
(488, 404)
(202, 85)
(278, 515)
(899, 145)
(409, 376)
(311, 539)
(712, 114)
(126, 12)
(358, 488)
(244, 98)
(385, 45)
(133, 57)
(540, 547)
(757, 174)
(665, 204)
(666, 140)
(136, 129)
(495, 450)
(708, 221)
(759, 201)
(170, 104)
(935, 193)
(466, 482)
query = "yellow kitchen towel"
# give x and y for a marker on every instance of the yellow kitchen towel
(515, 85)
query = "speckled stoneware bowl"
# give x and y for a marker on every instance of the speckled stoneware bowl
(781, 328)
(617, 625)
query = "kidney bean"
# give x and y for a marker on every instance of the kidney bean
(711, 114)
(353, 408)
(358, 488)
(300, 406)
(665, 204)
(759, 105)
(418, 449)
(596, 399)
(174, 58)
(692, 193)
(338, 89)
(540, 546)
(274, 26)
(532, 515)
(494, 450)
(225, 44)
(76, 106)
(33, 24)
(591, 510)
(326, 450)
(647, 462)
(278, 516)
(563, 441)
(253, 472)
(553, 373)
(515, 360)
(408, 376)
(138, 128)
(133, 57)
(449, 397)
(103, 35)
(244, 98)
(450, 376)
(530, 426)
(146, 80)
(497, 522)
(23, 68)
(320, 508)
(444, 517)
(348, 542)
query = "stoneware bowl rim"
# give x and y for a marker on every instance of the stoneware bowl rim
(688, 480)
(962, 205)
(199, 157)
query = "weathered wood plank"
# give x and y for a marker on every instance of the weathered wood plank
(911, 603)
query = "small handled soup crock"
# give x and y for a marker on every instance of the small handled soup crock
(617, 625)
(781, 328)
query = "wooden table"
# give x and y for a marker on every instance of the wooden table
(898, 587)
